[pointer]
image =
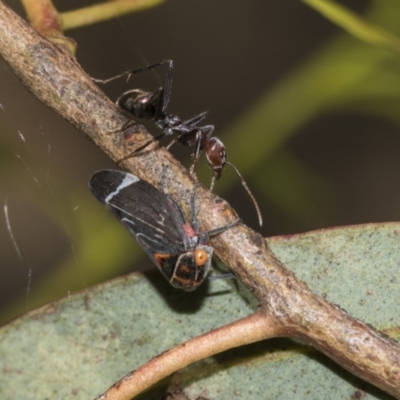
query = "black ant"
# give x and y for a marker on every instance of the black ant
(153, 105)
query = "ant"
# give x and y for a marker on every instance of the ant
(153, 105)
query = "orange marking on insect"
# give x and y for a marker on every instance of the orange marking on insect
(200, 257)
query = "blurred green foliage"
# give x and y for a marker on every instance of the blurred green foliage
(358, 71)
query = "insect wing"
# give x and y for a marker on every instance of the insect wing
(150, 216)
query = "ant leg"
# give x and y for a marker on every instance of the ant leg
(204, 132)
(197, 152)
(224, 228)
(168, 84)
(213, 181)
(126, 125)
(113, 78)
(228, 275)
(194, 221)
(208, 130)
(171, 143)
(152, 66)
(219, 275)
(195, 120)
(134, 71)
(143, 146)
(193, 166)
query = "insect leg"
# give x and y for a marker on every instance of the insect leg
(143, 146)
(135, 71)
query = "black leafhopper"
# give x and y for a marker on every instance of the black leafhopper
(176, 246)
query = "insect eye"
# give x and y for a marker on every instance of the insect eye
(200, 257)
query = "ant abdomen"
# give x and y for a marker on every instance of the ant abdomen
(138, 103)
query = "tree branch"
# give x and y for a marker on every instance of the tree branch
(56, 79)
(44, 19)
(245, 331)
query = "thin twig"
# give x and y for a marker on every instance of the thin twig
(355, 24)
(103, 12)
(44, 18)
(245, 331)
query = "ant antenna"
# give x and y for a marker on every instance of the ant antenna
(244, 184)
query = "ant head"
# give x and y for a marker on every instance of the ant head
(140, 103)
(216, 155)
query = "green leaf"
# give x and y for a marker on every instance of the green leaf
(77, 347)
(354, 24)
